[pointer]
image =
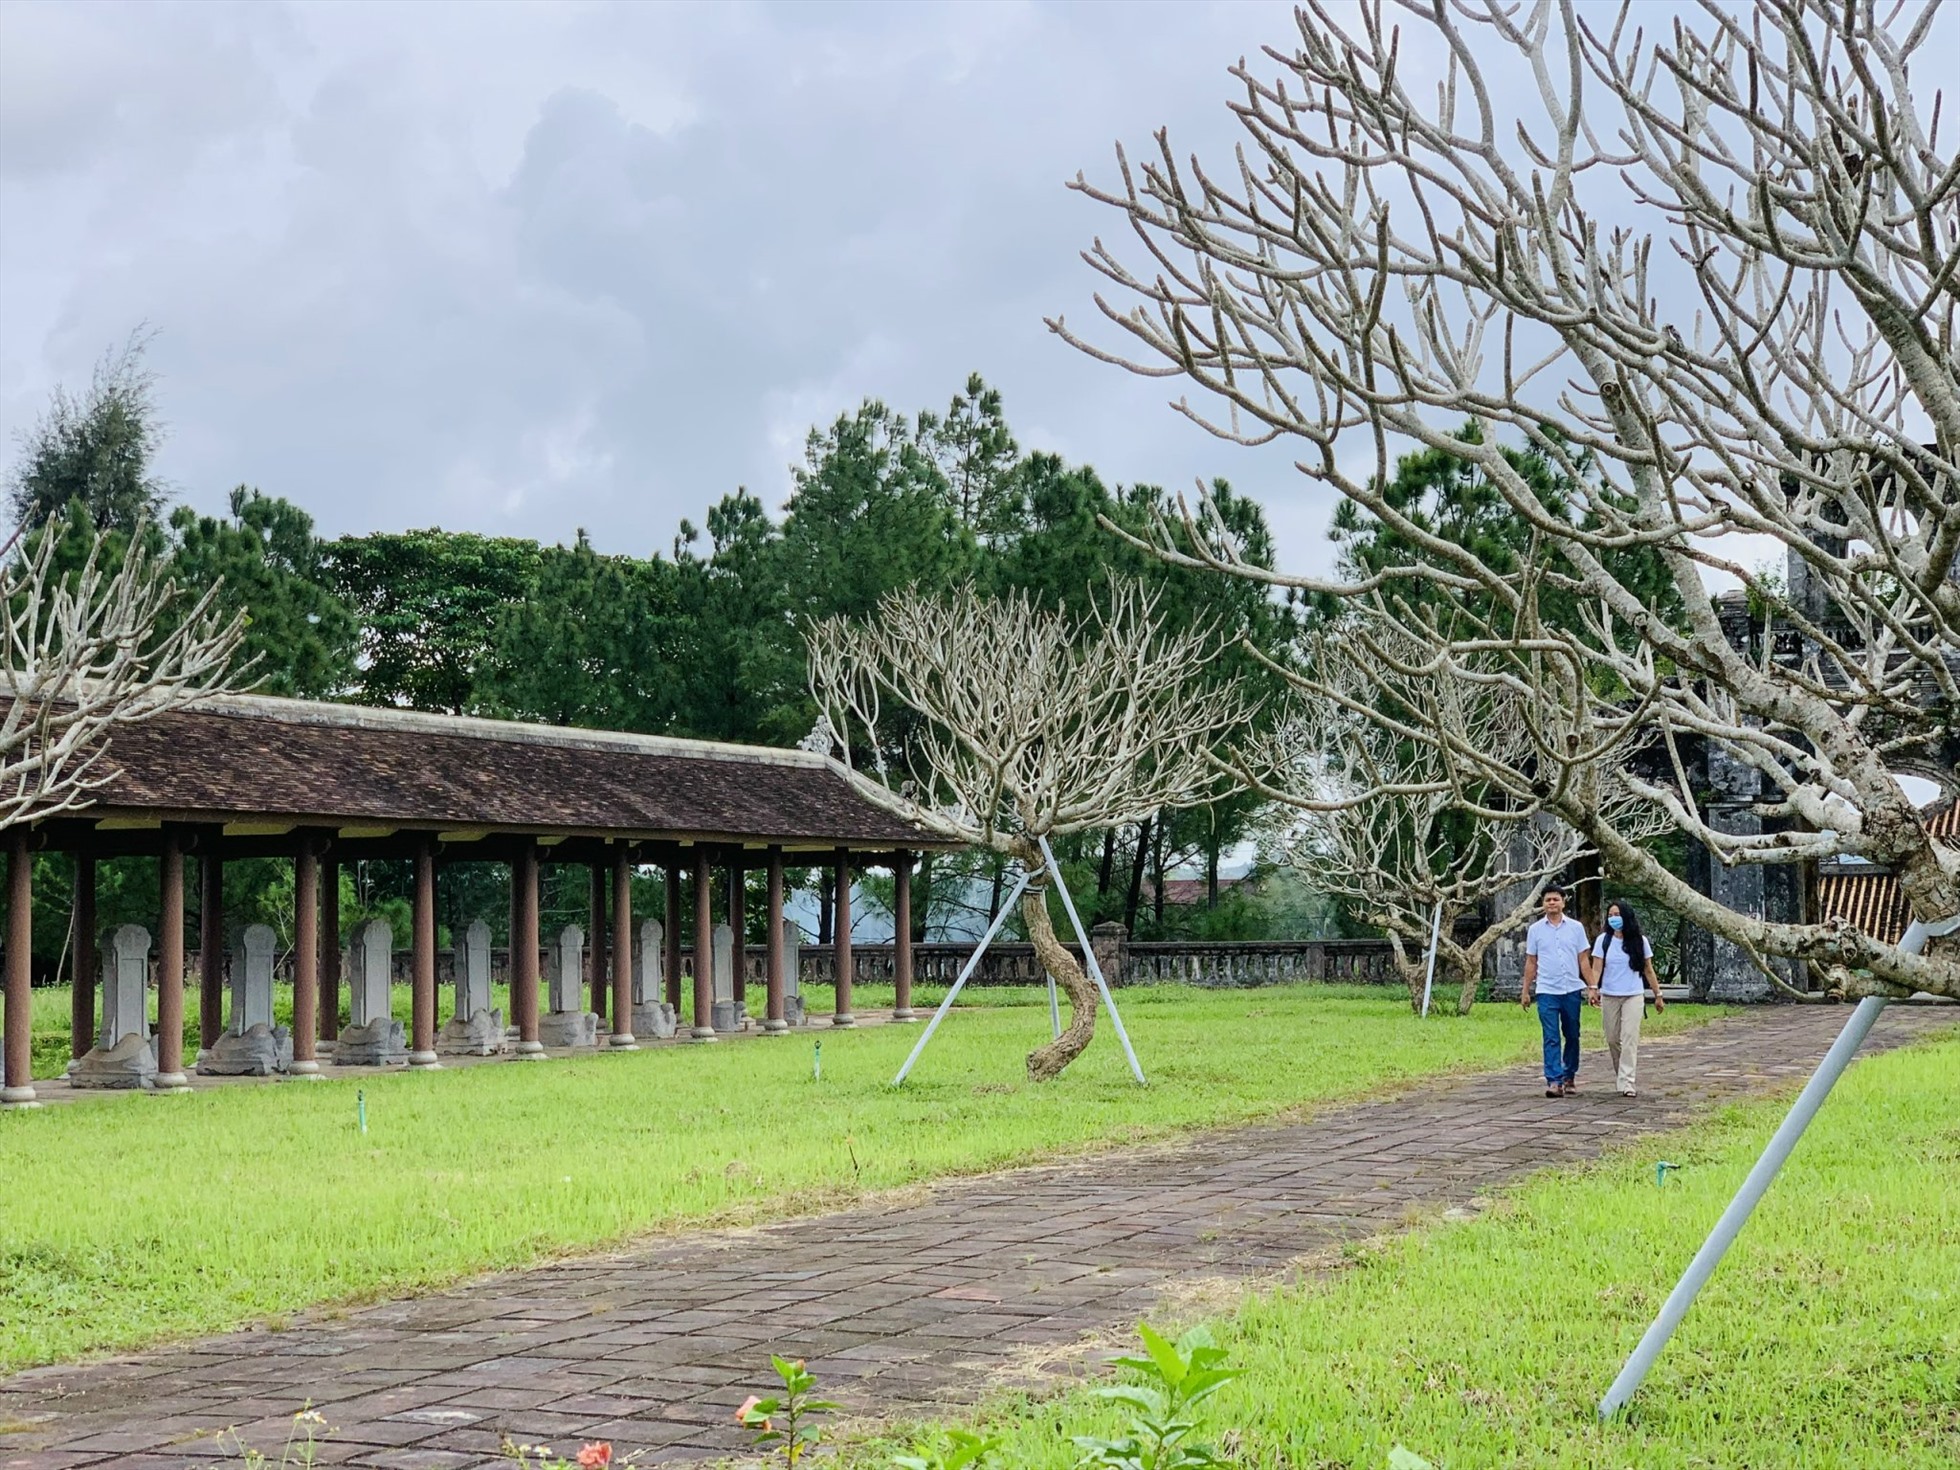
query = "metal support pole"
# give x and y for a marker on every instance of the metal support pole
(966, 970)
(1429, 976)
(1772, 1160)
(1089, 954)
(1054, 1010)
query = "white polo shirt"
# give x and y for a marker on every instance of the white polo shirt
(1621, 977)
(1558, 947)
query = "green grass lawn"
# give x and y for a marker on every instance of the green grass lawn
(1828, 1340)
(129, 1219)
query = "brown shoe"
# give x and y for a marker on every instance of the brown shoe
(1569, 1089)
(1554, 1092)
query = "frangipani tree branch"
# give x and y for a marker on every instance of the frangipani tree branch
(87, 652)
(1709, 276)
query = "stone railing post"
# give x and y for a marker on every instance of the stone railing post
(1111, 942)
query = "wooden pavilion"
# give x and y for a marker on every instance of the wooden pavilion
(323, 784)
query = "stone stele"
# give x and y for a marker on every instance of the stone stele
(122, 1055)
(652, 1016)
(792, 973)
(568, 1023)
(251, 1045)
(475, 1030)
(727, 1014)
(373, 1037)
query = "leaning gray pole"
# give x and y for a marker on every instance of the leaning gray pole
(972, 963)
(1737, 1214)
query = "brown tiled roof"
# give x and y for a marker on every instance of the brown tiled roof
(1869, 898)
(241, 759)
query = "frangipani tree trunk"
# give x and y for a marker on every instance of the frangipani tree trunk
(1021, 724)
(1048, 1061)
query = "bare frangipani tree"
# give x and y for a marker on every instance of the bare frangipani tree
(1759, 354)
(88, 651)
(1386, 821)
(1022, 724)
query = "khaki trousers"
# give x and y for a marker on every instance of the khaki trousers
(1621, 1016)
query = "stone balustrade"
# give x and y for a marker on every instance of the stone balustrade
(1219, 964)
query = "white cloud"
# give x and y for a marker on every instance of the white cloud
(528, 267)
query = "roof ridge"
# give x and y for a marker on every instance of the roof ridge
(477, 727)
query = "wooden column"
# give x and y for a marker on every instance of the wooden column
(306, 961)
(524, 952)
(902, 936)
(704, 948)
(595, 942)
(776, 1023)
(329, 952)
(622, 949)
(17, 1082)
(422, 961)
(170, 966)
(82, 997)
(845, 972)
(739, 952)
(210, 946)
(670, 962)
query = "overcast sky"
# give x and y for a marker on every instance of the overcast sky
(522, 268)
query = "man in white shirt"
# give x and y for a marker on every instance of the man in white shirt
(1555, 979)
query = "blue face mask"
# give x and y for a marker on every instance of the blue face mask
(1614, 921)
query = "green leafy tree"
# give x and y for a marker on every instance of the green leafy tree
(976, 457)
(870, 513)
(300, 636)
(591, 645)
(737, 673)
(96, 451)
(429, 604)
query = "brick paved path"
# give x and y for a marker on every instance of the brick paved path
(904, 1307)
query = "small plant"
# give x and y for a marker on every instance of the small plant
(784, 1419)
(962, 1451)
(1401, 1459)
(1184, 1374)
(302, 1447)
(595, 1456)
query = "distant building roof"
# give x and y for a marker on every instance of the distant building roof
(1190, 892)
(1868, 897)
(244, 761)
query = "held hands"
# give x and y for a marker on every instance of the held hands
(1592, 995)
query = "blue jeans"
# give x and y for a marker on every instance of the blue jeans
(1558, 1019)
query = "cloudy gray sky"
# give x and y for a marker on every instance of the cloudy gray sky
(521, 268)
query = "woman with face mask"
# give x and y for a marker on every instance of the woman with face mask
(1622, 965)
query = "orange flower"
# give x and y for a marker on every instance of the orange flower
(595, 1456)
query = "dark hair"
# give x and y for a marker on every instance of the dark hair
(1550, 889)
(1633, 943)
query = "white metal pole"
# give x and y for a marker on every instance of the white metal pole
(972, 962)
(1054, 1010)
(1089, 954)
(1773, 1157)
(1429, 976)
